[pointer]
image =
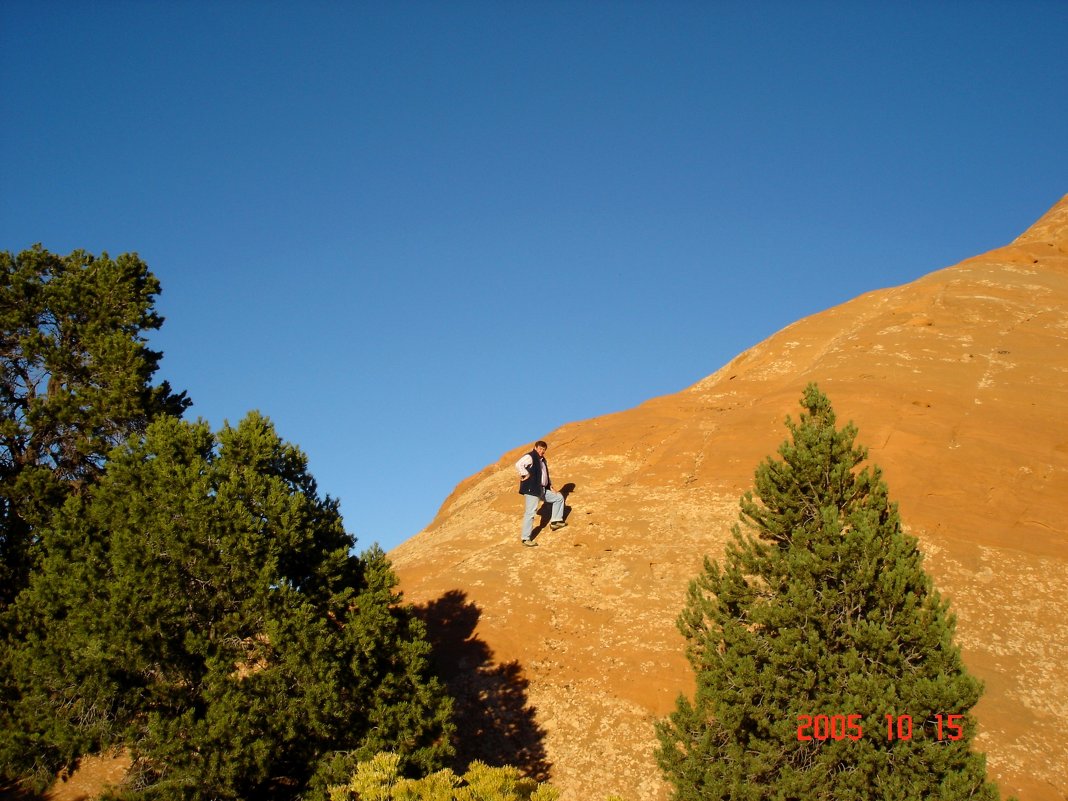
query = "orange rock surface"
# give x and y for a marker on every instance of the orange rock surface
(565, 654)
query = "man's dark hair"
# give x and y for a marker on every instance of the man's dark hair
(541, 444)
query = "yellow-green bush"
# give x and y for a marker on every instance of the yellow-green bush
(379, 780)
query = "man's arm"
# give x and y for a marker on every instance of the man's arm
(523, 465)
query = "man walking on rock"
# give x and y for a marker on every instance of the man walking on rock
(535, 487)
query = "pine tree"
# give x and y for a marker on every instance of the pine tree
(75, 377)
(820, 623)
(202, 606)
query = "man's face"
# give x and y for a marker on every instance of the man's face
(540, 449)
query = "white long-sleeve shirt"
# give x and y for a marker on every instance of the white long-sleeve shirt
(526, 463)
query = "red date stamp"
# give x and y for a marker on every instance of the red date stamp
(850, 727)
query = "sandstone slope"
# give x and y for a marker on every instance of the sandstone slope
(958, 382)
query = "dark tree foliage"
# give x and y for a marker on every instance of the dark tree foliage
(201, 606)
(821, 608)
(75, 379)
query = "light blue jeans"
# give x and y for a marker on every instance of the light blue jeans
(531, 507)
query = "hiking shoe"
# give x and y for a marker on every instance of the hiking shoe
(557, 524)
(529, 543)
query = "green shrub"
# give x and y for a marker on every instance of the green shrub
(379, 779)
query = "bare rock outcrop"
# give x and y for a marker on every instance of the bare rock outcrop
(565, 654)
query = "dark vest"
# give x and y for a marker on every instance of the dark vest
(531, 485)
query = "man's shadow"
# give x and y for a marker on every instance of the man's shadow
(494, 723)
(545, 513)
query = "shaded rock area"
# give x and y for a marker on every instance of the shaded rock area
(565, 654)
(495, 721)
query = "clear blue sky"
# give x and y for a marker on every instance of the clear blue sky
(419, 234)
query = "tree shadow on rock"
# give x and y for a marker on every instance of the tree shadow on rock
(15, 792)
(494, 722)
